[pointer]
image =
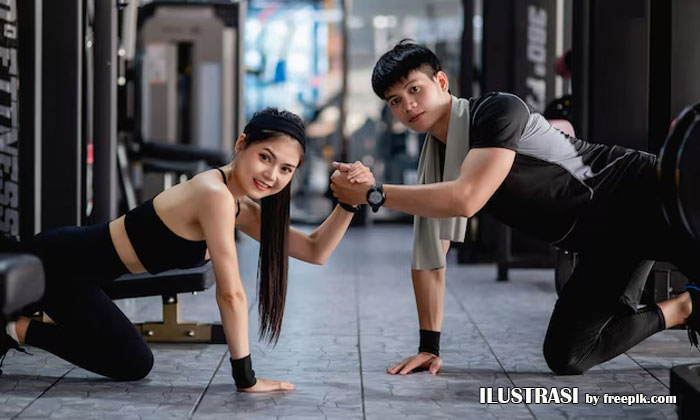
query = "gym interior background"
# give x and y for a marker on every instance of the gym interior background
(104, 103)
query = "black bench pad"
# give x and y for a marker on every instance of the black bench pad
(167, 283)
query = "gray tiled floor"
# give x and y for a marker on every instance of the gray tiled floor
(345, 322)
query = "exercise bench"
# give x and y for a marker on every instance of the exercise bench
(168, 285)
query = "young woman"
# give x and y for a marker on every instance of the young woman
(183, 227)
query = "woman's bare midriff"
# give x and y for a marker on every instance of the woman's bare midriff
(174, 208)
(122, 244)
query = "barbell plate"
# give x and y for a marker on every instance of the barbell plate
(666, 168)
(687, 176)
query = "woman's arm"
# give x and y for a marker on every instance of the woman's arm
(316, 247)
(313, 248)
(214, 212)
(215, 207)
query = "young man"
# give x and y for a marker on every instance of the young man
(494, 154)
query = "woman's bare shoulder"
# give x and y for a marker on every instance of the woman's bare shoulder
(207, 190)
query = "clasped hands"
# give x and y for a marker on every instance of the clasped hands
(350, 182)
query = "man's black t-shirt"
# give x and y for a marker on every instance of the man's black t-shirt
(555, 178)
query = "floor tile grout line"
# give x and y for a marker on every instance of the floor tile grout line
(43, 392)
(223, 356)
(469, 316)
(647, 371)
(206, 388)
(359, 342)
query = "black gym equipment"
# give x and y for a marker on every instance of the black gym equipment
(685, 385)
(631, 58)
(29, 149)
(667, 165)
(519, 49)
(678, 171)
(63, 146)
(688, 172)
(559, 109)
(21, 282)
(664, 282)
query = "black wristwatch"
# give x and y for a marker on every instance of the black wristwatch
(376, 197)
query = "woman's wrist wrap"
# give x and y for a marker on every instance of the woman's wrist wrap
(348, 207)
(243, 373)
(429, 342)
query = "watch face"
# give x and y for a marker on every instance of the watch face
(374, 197)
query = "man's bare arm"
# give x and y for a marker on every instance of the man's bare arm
(482, 172)
(429, 289)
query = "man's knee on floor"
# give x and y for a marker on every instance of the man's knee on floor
(565, 366)
(563, 361)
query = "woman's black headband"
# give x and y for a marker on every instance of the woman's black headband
(272, 122)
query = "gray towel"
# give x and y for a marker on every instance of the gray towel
(428, 231)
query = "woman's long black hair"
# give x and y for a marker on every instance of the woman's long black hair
(274, 241)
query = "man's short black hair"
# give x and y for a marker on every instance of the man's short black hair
(395, 64)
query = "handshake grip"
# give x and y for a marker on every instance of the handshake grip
(352, 173)
(350, 182)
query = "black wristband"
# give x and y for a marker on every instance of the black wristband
(429, 342)
(243, 373)
(348, 207)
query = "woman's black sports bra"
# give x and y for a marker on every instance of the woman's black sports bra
(158, 247)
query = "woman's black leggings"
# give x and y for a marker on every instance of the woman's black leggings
(596, 316)
(89, 330)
